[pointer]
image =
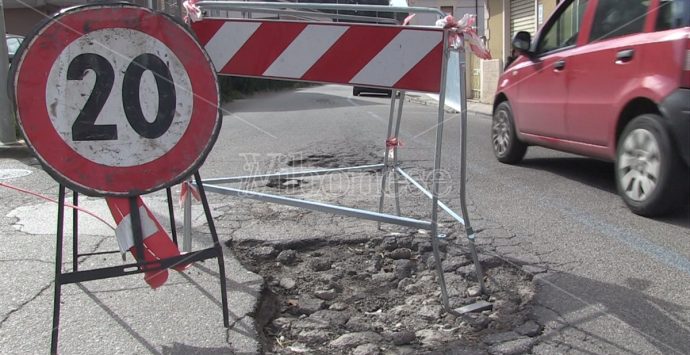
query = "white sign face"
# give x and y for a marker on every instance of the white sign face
(119, 97)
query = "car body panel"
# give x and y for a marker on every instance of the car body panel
(542, 92)
(586, 119)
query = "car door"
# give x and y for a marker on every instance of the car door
(604, 70)
(542, 90)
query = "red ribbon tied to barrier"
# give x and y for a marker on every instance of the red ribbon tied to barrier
(193, 11)
(186, 188)
(465, 27)
(393, 142)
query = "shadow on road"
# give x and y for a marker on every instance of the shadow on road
(585, 302)
(598, 174)
(591, 172)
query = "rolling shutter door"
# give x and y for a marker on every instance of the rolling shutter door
(522, 16)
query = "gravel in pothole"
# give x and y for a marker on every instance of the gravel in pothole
(382, 296)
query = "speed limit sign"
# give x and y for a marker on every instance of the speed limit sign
(116, 100)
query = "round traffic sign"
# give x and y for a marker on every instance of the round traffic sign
(116, 99)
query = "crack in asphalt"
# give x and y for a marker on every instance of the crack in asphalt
(44, 288)
(31, 260)
(24, 304)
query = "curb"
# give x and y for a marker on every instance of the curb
(16, 147)
(423, 99)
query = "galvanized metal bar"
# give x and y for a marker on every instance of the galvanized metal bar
(321, 207)
(386, 158)
(436, 173)
(243, 5)
(463, 175)
(187, 223)
(291, 175)
(401, 98)
(310, 15)
(428, 194)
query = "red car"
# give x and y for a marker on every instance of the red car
(607, 79)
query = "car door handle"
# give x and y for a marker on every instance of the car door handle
(559, 65)
(625, 56)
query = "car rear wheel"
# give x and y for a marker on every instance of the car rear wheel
(507, 148)
(650, 177)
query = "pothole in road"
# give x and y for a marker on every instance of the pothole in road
(344, 154)
(381, 296)
(285, 184)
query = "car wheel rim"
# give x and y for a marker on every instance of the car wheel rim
(639, 164)
(500, 132)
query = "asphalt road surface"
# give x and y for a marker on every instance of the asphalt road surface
(616, 282)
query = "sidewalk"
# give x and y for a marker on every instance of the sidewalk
(17, 146)
(472, 106)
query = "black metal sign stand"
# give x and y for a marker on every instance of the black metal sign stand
(76, 276)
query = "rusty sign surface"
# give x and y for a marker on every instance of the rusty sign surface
(116, 99)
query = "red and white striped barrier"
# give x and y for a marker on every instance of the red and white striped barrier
(157, 242)
(353, 54)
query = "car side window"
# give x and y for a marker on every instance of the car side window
(614, 18)
(672, 14)
(563, 31)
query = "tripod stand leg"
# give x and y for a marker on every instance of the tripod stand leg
(58, 271)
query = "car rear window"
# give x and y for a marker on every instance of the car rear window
(614, 18)
(673, 14)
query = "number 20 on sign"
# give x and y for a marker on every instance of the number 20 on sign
(116, 99)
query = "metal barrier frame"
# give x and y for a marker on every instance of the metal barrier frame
(389, 165)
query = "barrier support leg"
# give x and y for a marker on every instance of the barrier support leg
(58, 270)
(187, 223)
(171, 211)
(463, 176)
(136, 231)
(401, 99)
(436, 177)
(386, 158)
(219, 250)
(75, 231)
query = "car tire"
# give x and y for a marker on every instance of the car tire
(355, 91)
(507, 147)
(650, 176)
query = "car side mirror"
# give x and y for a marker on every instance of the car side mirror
(521, 42)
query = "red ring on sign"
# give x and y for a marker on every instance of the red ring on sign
(33, 67)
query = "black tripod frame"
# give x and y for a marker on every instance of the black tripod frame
(76, 275)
